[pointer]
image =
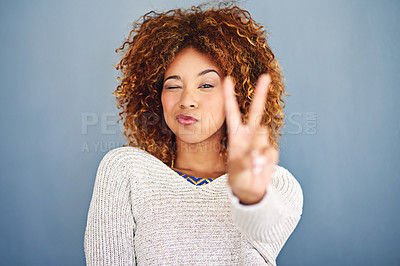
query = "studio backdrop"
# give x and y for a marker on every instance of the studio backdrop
(341, 140)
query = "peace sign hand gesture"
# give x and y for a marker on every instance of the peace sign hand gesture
(251, 156)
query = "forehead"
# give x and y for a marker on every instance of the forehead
(190, 61)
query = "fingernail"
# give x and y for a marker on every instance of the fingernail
(257, 169)
(229, 79)
(259, 160)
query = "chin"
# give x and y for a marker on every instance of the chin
(197, 136)
(191, 139)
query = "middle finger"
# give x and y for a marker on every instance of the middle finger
(258, 104)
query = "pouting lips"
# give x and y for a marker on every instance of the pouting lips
(186, 119)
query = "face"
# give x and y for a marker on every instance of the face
(192, 98)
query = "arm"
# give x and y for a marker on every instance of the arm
(272, 195)
(109, 235)
(268, 224)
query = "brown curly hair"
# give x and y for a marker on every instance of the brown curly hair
(228, 34)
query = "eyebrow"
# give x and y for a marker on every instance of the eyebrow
(200, 74)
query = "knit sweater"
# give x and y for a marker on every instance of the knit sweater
(144, 213)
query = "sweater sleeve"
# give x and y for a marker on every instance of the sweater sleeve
(109, 234)
(269, 223)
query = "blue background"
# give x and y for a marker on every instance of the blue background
(342, 139)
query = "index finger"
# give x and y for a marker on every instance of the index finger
(233, 118)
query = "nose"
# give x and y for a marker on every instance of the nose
(188, 100)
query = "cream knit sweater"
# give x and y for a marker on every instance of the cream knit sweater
(144, 213)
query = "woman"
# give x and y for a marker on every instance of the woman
(198, 182)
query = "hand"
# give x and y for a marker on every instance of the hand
(251, 156)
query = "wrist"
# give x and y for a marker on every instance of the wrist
(250, 199)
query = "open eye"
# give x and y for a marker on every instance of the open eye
(207, 86)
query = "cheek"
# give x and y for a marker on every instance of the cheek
(167, 104)
(164, 106)
(162, 100)
(219, 103)
(218, 111)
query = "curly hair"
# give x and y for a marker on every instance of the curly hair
(238, 46)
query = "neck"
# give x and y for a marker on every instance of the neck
(200, 159)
